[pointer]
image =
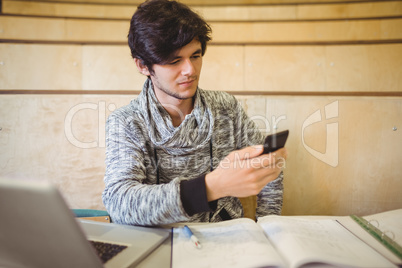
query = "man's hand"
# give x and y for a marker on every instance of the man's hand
(244, 172)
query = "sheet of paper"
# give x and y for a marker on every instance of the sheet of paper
(366, 237)
(303, 241)
(235, 243)
(390, 223)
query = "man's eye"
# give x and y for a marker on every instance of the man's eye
(174, 62)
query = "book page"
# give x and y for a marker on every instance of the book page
(389, 222)
(303, 241)
(234, 243)
(367, 238)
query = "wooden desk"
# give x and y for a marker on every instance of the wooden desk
(161, 257)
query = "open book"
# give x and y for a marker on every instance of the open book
(278, 241)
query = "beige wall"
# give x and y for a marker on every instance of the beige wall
(61, 138)
(239, 68)
(336, 85)
(213, 12)
(81, 30)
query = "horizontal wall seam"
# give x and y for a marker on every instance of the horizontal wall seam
(278, 3)
(287, 43)
(238, 93)
(209, 21)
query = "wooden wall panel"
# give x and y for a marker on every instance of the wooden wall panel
(364, 68)
(390, 29)
(244, 13)
(386, 67)
(68, 9)
(40, 66)
(25, 28)
(57, 138)
(365, 178)
(223, 68)
(285, 68)
(97, 31)
(324, 31)
(350, 10)
(87, 30)
(214, 13)
(353, 68)
(62, 30)
(216, 2)
(110, 68)
(364, 175)
(349, 69)
(301, 12)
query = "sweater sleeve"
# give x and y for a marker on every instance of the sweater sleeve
(128, 199)
(270, 199)
(193, 195)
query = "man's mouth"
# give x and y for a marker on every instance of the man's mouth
(187, 82)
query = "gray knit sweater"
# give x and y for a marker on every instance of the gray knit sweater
(155, 171)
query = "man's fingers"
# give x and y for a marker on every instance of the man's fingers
(271, 159)
(252, 158)
(246, 153)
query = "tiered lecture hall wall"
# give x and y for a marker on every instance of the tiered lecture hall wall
(329, 71)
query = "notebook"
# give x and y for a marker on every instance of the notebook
(37, 229)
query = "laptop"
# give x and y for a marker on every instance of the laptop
(37, 229)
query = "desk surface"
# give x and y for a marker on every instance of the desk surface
(161, 257)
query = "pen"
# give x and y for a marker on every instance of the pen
(193, 238)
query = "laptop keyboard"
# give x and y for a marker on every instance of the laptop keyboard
(106, 251)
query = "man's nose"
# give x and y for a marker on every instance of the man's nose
(188, 68)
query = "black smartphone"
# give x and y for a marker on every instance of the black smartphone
(275, 141)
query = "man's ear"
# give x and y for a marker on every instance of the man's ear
(141, 67)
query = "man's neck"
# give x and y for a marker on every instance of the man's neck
(178, 108)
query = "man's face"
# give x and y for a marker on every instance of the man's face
(179, 78)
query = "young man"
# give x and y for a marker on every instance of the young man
(177, 152)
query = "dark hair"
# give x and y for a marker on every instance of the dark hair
(160, 27)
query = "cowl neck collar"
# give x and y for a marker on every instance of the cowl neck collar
(192, 134)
